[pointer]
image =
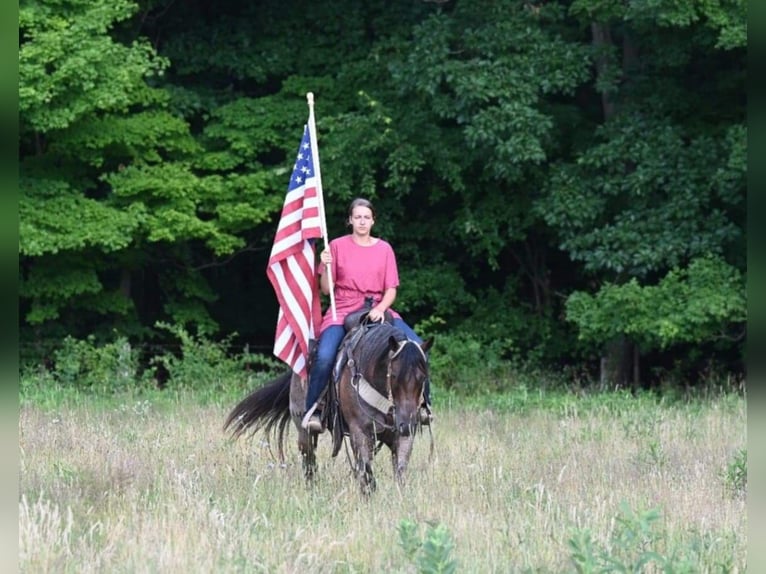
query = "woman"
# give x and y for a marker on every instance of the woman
(362, 266)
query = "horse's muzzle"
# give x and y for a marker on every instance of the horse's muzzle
(405, 421)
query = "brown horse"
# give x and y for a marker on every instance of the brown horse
(374, 400)
(379, 393)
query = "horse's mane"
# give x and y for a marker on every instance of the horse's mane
(372, 352)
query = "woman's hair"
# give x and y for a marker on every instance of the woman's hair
(361, 202)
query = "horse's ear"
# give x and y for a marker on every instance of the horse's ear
(427, 344)
(393, 344)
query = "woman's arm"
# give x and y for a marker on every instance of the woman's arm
(324, 282)
(325, 259)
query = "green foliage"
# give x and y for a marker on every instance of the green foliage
(70, 68)
(462, 362)
(107, 368)
(247, 127)
(727, 18)
(436, 288)
(517, 332)
(209, 369)
(256, 42)
(155, 143)
(659, 184)
(358, 145)
(111, 181)
(67, 221)
(483, 72)
(207, 366)
(65, 282)
(146, 136)
(431, 554)
(673, 204)
(692, 305)
(636, 545)
(735, 473)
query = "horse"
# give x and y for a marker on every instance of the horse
(374, 400)
(379, 393)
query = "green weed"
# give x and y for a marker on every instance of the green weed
(637, 544)
(735, 474)
(431, 554)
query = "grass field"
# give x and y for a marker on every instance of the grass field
(150, 484)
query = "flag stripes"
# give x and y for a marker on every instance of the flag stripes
(291, 264)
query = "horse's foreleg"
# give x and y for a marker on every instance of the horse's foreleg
(400, 456)
(362, 445)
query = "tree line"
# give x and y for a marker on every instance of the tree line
(564, 182)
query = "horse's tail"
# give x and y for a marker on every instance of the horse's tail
(267, 408)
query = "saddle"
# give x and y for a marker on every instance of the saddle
(356, 324)
(359, 317)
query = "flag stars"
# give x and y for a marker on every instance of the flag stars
(303, 168)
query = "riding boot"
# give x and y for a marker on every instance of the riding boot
(312, 420)
(320, 373)
(314, 424)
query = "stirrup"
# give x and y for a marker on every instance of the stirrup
(312, 421)
(315, 424)
(425, 416)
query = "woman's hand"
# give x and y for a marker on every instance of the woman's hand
(325, 257)
(376, 315)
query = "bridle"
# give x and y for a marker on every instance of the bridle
(368, 394)
(391, 356)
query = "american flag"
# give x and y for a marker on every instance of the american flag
(291, 264)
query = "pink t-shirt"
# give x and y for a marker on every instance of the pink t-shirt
(357, 272)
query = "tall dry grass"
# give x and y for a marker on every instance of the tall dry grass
(144, 488)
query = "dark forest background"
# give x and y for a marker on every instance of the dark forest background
(564, 182)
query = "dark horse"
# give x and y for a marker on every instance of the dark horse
(374, 400)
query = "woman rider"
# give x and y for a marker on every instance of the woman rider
(362, 267)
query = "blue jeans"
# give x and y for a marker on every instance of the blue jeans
(324, 360)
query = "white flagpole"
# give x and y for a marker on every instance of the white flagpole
(318, 173)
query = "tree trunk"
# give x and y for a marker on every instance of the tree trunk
(532, 266)
(619, 364)
(602, 40)
(125, 283)
(620, 358)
